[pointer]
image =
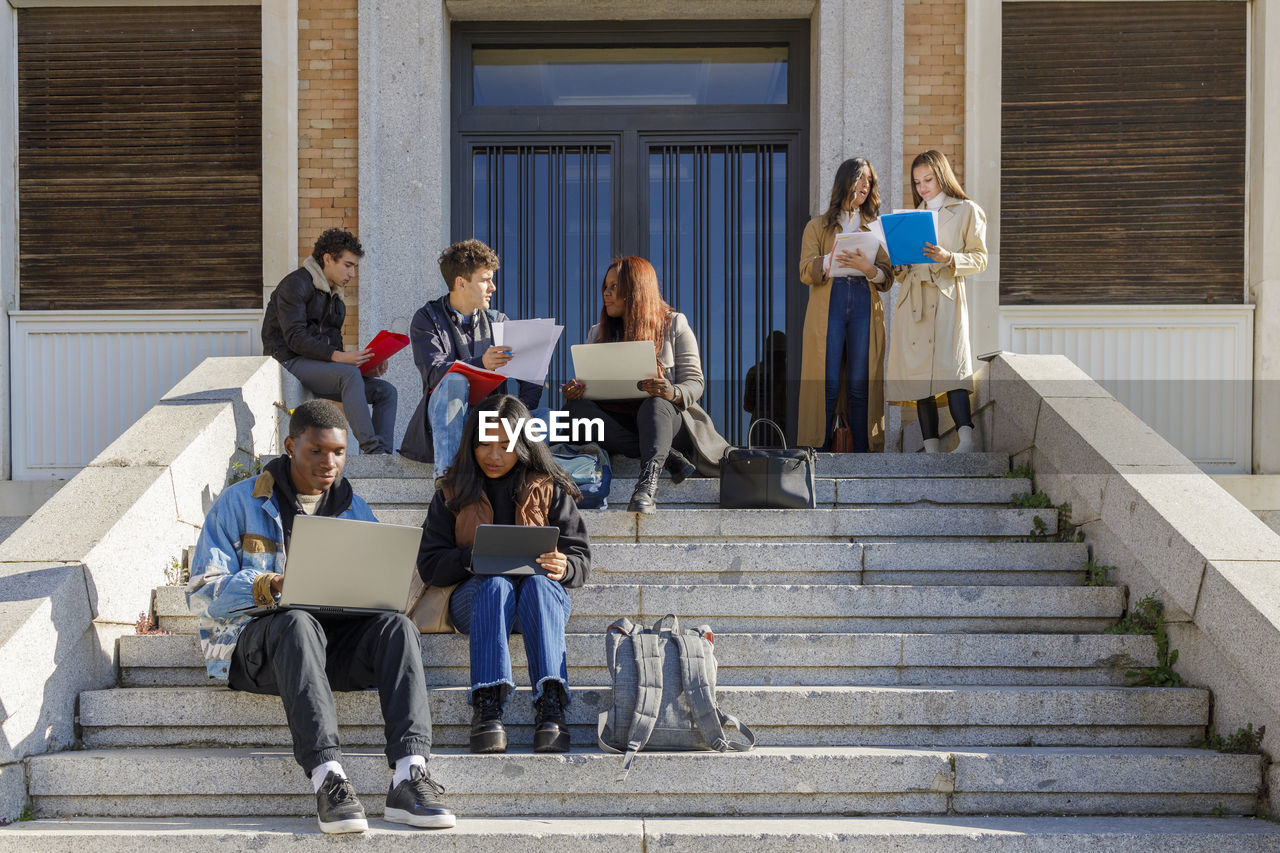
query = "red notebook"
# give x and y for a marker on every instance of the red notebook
(483, 382)
(384, 345)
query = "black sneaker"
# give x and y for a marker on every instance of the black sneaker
(415, 802)
(337, 808)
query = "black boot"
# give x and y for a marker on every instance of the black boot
(679, 467)
(550, 732)
(487, 733)
(642, 498)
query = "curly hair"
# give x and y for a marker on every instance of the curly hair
(842, 188)
(317, 413)
(334, 242)
(464, 258)
(646, 314)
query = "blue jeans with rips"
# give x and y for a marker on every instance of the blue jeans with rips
(490, 608)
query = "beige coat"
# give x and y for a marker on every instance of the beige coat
(929, 352)
(818, 239)
(682, 367)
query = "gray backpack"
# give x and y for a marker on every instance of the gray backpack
(664, 692)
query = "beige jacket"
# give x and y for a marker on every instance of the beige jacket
(929, 352)
(682, 366)
(818, 239)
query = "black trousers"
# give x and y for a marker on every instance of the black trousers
(303, 658)
(646, 435)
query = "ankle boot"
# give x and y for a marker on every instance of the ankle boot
(679, 467)
(966, 440)
(487, 732)
(642, 498)
(550, 732)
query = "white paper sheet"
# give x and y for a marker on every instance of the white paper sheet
(532, 343)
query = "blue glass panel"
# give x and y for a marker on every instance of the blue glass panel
(717, 236)
(547, 211)
(629, 76)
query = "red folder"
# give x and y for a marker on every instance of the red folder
(483, 382)
(384, 345)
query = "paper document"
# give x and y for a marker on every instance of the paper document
(532, 343)
(865, 241)
(906, 232)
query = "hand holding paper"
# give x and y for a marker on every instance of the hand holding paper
(906, 232)
(848, 244)
(531, 344)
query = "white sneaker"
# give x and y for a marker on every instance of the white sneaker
(931, 445)
(966, 440)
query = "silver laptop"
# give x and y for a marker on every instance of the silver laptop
(612, 370)
(341, 566)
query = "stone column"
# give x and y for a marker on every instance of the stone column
(404, 171)
(1264, 224)
(856, 108)
(8, 213)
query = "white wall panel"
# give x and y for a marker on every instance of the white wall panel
(80, 379)
(1185, 370)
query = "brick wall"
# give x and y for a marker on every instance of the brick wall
(327, 129)
(933, 84)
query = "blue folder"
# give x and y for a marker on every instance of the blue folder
(906, 233)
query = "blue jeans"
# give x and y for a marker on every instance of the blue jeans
(490, 608)
(447, 411)
(849, 327)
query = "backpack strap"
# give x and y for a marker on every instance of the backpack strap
(694, 665)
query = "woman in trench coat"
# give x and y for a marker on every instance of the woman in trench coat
(929, 353)
(844, 316)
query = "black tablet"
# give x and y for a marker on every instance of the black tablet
(511, 549)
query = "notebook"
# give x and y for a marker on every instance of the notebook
(612, 370)
(339, 566)
(511, 549)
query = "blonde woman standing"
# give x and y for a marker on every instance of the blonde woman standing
(844, 320)
(930, 353)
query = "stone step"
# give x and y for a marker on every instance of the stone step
(552, 834)
(842, 524)
(950, 563)
(827, 465)
(780, 716)
(175, 660)
(382, 491)
(814, 608)
(585, 783)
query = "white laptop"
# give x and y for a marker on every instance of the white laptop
(612, 370)
(341, 566)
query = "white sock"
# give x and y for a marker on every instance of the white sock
(931, 445)
(966, 440)
(318, 775)
(403, 765)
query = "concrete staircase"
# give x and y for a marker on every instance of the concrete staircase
(901, 650)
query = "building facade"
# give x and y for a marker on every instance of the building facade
(1127, 154)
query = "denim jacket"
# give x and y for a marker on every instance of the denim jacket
(242, 538)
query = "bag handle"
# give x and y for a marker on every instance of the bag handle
(673, 627)
(751, 429)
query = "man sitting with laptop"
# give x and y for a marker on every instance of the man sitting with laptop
(303, 656)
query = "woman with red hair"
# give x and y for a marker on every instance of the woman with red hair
(634, 310)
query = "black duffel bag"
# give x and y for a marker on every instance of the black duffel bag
(767, 477)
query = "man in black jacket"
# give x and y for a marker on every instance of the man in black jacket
(302, 329)
(456, 327)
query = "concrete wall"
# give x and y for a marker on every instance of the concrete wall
(1171, 531)
(76, 575)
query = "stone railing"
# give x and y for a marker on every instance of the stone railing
(76, 574)
(1167, 527)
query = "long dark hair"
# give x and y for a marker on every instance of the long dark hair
(465, 479)
(646, 314)
(941, 166)
(842, 188)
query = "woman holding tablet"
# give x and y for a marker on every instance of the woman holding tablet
(488, 484)
(647, 429)
(844, 320)
(930, 353)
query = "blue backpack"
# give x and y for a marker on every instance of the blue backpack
(589, 467)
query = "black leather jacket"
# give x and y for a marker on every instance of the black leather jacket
(302, 321)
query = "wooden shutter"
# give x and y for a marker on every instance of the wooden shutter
(1123, 152)
(140, 157)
